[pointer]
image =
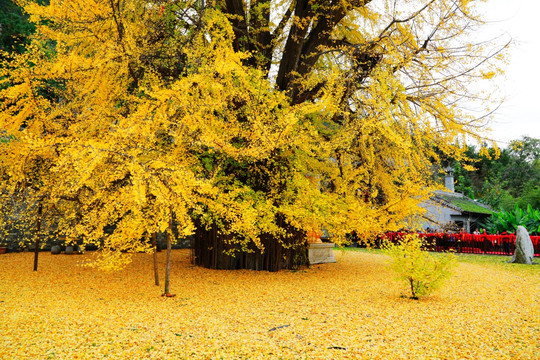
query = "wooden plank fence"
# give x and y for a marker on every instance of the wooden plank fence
(215, 250)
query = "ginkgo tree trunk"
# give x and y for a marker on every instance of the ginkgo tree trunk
(167, 290)
(38, 234)
(154, 255)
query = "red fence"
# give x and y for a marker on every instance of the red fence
(470, 243)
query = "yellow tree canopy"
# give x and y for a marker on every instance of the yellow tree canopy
(123, 113)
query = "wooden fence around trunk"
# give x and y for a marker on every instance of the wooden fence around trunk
(215, 250)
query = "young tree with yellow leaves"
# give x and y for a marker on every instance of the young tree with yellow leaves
(422, 272)
(254, 117)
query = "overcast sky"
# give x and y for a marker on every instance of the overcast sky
(520, 113)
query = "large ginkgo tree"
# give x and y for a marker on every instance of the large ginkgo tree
(263, 120)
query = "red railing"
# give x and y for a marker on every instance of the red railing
(470, 243)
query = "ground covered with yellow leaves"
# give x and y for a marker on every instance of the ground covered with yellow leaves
(351, 309)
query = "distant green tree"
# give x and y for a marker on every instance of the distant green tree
(526, 149)
(531, 195)
(503, 178)
(522, 170)
(464, 182)
(493, 193)
(14, 27)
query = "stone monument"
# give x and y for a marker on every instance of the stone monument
(524, 253)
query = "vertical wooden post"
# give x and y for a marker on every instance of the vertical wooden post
(38, 230)
(154, 245)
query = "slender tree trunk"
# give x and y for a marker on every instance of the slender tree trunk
(168, 268)
(411, 281)
(38, 230)
(154, 245)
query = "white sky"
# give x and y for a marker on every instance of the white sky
(520, 113)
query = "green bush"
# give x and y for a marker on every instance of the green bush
(422, 271)
(509, 220)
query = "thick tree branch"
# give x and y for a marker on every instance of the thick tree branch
(120, 30)
(293, 46)
(307, 39)
(238, 21)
